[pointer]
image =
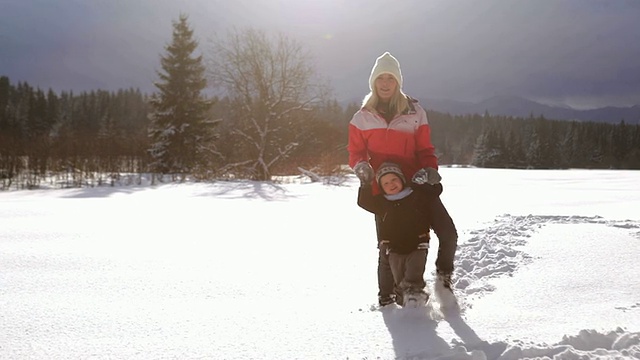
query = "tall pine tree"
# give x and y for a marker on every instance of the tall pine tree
(181, 134)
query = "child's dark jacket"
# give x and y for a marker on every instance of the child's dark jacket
(404, 223)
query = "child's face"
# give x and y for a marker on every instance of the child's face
(391, 184)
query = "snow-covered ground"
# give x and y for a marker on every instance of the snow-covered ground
(547, 266)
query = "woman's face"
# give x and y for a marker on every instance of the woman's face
(386, 86)
(391, 184)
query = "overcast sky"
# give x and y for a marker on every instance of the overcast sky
(582, 53)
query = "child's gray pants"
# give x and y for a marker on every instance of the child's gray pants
(408, 270)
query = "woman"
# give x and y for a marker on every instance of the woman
(391, 126)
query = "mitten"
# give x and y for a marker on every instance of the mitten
(364, 172)
(426, 176)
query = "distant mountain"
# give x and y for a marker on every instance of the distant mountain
(521, 107)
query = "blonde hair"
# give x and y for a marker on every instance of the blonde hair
(398, 103)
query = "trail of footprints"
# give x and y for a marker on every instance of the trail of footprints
(493, 251)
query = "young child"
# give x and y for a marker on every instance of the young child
(404, 229)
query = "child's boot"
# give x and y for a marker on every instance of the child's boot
(414, 298)
(384, 300)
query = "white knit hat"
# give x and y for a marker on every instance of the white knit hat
(385, 64)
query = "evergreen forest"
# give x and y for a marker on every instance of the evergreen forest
(272, 118)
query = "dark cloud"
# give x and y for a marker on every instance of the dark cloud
(580, 51)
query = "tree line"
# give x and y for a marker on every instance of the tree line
(270, 115)
(534, 142)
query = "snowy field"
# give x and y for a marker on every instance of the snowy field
(547, 267)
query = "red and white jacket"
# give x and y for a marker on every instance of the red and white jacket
(406, 140)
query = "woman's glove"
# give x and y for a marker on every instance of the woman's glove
(364, 172)
(426, 176)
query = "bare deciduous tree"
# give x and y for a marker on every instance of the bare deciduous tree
(271, 87)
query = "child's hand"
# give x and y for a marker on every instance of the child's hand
(427, 176)
(364, 172)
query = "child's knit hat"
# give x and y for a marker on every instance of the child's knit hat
(389, 168)
(385, 64)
